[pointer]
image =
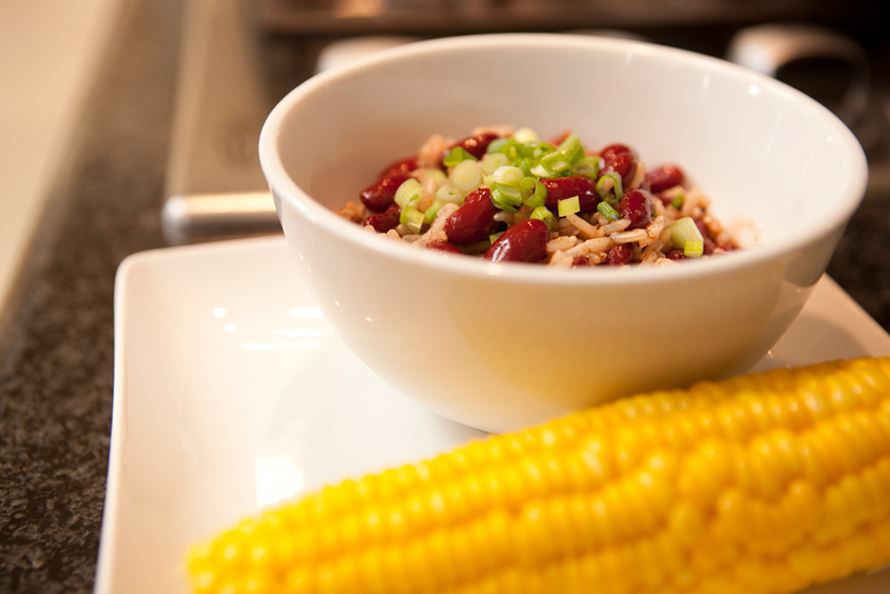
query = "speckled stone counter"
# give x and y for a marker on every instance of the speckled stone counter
(56, 350)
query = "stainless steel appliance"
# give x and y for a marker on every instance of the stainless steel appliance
(239, 57)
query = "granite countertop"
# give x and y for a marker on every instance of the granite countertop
(56, 347)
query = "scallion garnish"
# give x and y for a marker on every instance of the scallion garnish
(466, 175)
(525, 135)
(555, 163)
(430, 215)
(408, 193)
(694, 249)
(496, 145)
(505, 197)
(534, 193)
(505, 146)
(571, 149)
(678, 200)
(490, 162)
(568, 206)
(540, 171)
(448, 193)
(608, 211)
(456, 155)
(542, 213)
(411, 218)
(525, 165)
(430, 173)
(588, 167)
(684, 232)
(610, 194)
(542, 149)
(508, 176)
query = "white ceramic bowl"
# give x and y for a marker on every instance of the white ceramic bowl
(497, 346)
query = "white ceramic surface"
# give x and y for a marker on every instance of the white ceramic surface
(537, 341)
(232, 392)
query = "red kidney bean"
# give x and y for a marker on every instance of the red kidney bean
(664, 177)
(708, 243)
(635, 205)
(611, 151)
(443, 246)
(624, 164)
(676, 254)
(379, 195)
(476, 144)
(618, 255)
(384, 221)
(474, 220)
(404, 167)
(559, 188)
(525, 241)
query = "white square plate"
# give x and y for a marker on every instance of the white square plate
(231, 393)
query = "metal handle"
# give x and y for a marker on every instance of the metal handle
(202, 217)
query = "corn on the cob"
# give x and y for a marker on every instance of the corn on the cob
(760, 484)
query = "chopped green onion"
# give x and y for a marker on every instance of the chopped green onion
(466, 175)
(494, 237)
(496, 145)
(568, 206)
(430, 215)
(527, 186)
(540, 171)
(448, 193)
(491, 162)
(526, 149)
(506, 198)
(525, 165)
(542, 149)
(612, 195)
(555, 163)
(429, 173)
(694, 249)
(542, 213)
(456, 155)
(588, 167)
(571, 148)
(525, 135)
(683, 230)
(507, 175)
(408, 194)
(678, 200)
(411, 218)
(534, 193)
(685, 234)
(505, 146)
(608, 211)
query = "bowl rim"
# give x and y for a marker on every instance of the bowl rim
(286, 189)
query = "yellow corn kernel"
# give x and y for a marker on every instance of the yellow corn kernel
(769, 482)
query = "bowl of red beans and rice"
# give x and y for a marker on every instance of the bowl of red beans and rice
(455, 207)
